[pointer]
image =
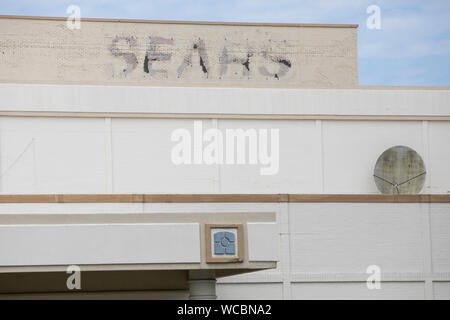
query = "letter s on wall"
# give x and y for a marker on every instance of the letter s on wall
(129, 57)
(284, 64)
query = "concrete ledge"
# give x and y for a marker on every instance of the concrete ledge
(67, 244)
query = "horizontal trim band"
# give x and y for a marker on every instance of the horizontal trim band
(127, 218)
(330, 277)
(225, 86)
(231, 268)
(212, 198)
(52, 114)
(217, 23)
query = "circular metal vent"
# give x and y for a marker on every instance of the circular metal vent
(399, 170)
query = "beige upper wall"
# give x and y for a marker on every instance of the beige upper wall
(42, 50)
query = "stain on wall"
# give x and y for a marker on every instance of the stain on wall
(129, 57)
(154, 54)
(199, 47)
(284, 66)
(177, 54)
(226, 60)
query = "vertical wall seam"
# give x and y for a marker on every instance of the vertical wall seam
(217, 178)
(285, 248)
(35, 175)
(319, 133)
(109, 183)
(428, 250)
(426, 155)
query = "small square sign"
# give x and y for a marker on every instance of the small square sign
(224, 243)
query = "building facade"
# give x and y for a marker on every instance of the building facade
(159, 157)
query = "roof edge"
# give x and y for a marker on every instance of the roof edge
(223, 23)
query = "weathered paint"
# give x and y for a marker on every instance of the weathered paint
(177, 54)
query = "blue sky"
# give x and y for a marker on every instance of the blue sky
(411, 48)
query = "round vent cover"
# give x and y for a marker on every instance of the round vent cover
(399, 170)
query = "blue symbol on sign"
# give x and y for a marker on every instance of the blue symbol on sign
(224, 243)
